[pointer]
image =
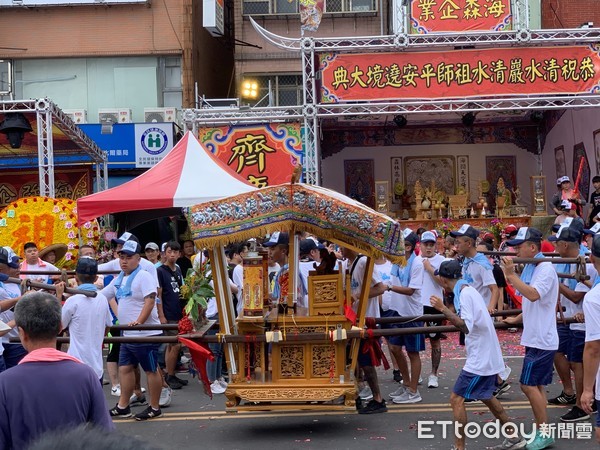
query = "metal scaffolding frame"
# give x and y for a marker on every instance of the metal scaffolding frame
(47, 116)
(312, 111)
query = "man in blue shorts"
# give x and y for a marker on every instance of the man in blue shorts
(406, 286)
(571, 338)
(135, 290)
(478, 378)
(591, 353)
(538, 285)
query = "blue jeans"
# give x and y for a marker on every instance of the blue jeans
(214, 368)
(2, 365)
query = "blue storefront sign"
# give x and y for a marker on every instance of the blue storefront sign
(133, 145)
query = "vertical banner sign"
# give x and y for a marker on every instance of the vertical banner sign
(264, 155)
(311, 13)
(152, 143)
(427, 16)
(460, 73)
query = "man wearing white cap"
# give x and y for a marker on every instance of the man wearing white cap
(431, 262)
(406, 286)
(152, 253)
(566, 192)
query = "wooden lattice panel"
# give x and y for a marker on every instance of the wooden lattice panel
(325, 294)
(292, 360)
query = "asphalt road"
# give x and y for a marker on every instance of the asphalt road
(193, 420)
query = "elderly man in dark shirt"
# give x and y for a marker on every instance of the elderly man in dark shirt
(49, 390)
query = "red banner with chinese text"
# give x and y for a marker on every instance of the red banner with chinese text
(68, 183)
(264, 155)
(428, 16)
(460, 73)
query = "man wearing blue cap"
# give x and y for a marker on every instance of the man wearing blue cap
(10, 293)
(484, 363)
(477, 269)
(278, 245)
(136, 292)
(87, 317)
(571, 337)
(538, 285)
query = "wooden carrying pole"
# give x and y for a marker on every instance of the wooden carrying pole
(291, 337)
(50, 287)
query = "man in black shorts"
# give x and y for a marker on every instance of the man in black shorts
(431, 262)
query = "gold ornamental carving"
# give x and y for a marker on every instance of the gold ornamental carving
(292, 361)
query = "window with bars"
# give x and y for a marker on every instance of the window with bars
(286, 89)
(265, 7)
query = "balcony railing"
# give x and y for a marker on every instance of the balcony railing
(287, 7)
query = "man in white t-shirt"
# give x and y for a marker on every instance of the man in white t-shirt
(477, 270)
(309, 256)
(112, 358)
(571, 337)
(136, 293)
(87, 317)
(405, 288)
(477, 379)
(538, 286)
(357, 265)
(591, 353)
(33, 263)
(431, 262)
(114, 265)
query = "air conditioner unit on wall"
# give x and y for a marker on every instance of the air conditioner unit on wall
(77, 115)
(114, 115)
(160, 114)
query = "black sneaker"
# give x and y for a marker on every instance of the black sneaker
(563, 399)
(358, 403)
(182, 382)
(148, 413)
(502, 389)
(374, 407)
(120, 412)
(173, 382)
(575, 415)
(397, 376)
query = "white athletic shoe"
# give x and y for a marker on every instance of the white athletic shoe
(398, 392)
(115, 391)
(166, 395)
(222, 382)
(432, 382)
(408, 397)
(420, 382)
(366, 393)
(217, 388)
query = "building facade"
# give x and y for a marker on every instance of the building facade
(123, 56)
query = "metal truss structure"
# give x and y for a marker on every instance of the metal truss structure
(312, 111)
(49, 115)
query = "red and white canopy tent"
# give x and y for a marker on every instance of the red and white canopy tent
(188, 175)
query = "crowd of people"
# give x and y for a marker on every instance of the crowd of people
(466, 276)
